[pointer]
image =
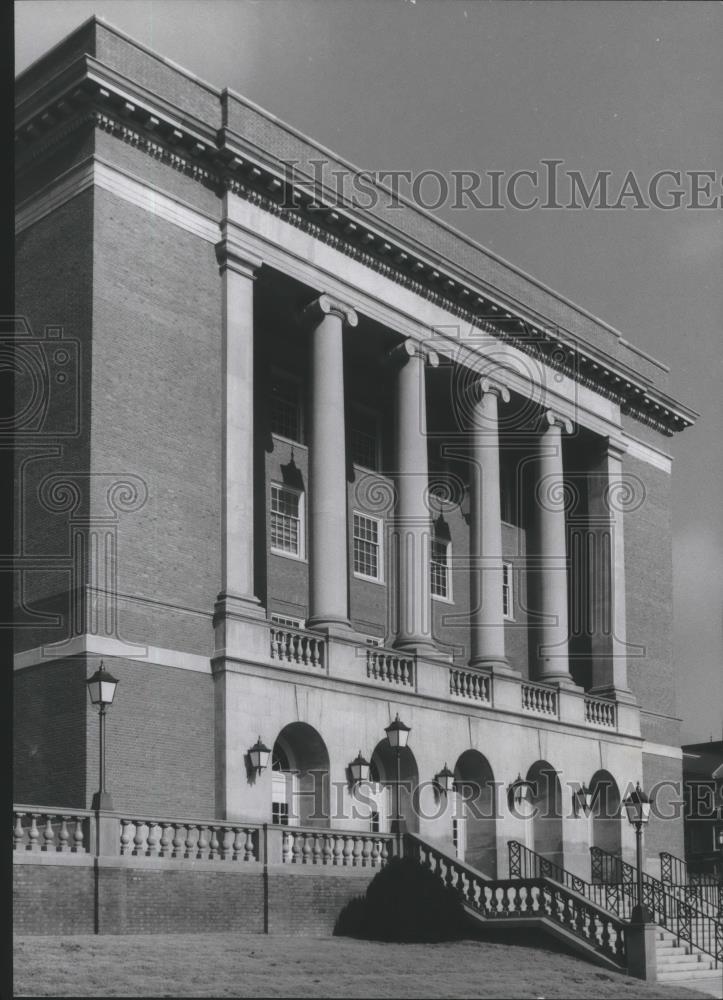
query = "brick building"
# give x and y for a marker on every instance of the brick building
(291, 466)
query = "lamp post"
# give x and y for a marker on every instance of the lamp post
(637, 807)
(101, 688)
(397, 736)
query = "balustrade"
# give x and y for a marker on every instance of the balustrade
(329, 847)
(528, 897)
(601, 713)
(390, 667)
(44, 830)
(294, 646)
(148, 838)
(539, 699)
(471, 685)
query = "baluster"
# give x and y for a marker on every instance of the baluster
(249, 846)
(63, 836)
(338, 850)
(152, 840)
(357, 847)
(383, 852)
(327, 854)
(298, 848)
(190, 840)
(236, 843)
(348, 848)
(287, 847)
(48, 834)
(202, 842)
(166, 839)
(366, 852)
(78, 845)
(125, 837)
(213, 847)
(139, 839)
(316, 853)
(18, 832)
(179, 840)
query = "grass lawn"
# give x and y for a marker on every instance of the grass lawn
(236, 965)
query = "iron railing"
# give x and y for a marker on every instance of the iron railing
(699, 888)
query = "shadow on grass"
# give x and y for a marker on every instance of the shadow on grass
(404, 902)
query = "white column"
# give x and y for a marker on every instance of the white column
(608, 498)
(413, 524)
(238, 271)
(328, 572)
(550, 498)
(487, 625)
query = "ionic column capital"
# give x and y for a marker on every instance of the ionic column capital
(325, 305)
(551, 418)
(489, 386)
(410, 348)
(233, 258)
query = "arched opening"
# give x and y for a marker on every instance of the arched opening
(474, 820)
(383, 779)
(546, 798)
(605, 812)
(300, 778)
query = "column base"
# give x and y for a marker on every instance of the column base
(494, 665)
(238, 605)
(341, 627)
(623, 695)
(562, 680)
(419, 646)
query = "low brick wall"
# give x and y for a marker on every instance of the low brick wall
(70, 894)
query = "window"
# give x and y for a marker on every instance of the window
(287, 527)
(280, 813)
(374, 821)
(285, 406)
(367, 547)
(441, 584)
(286, 621)
(364, 437)
(507, 605)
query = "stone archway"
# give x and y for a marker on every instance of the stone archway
(606, 815)
(300, 778)
(384, 777)
(475, 814)
(546, 798)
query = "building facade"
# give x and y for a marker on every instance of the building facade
(291, 466)
(703, 791)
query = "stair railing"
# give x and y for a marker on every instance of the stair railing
(681, 918)
(525, 863)
(699, 889)
(526, 898)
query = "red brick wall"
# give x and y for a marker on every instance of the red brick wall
(159, 740)
(664, 832)
(50, 706)
(156, 414)
(60, 899)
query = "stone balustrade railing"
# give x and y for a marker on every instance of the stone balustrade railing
(329, 847)
(152, 838)
(470, 685)
(292, 645)
(47, 829)
(539, 699)
(600, 713)
(348, 659)
(390, 667)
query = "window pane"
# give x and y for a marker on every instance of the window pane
(285, 411)
(439, 568)
(366, 546)
(284, 519)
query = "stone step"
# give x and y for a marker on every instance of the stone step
(683, 961)
(667, 976)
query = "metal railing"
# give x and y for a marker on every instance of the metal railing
(686, 921)
(698, 888)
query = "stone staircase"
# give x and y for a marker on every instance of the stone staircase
(679, 962)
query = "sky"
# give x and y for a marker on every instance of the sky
(452, 85)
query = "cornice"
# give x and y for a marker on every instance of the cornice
(104, 100)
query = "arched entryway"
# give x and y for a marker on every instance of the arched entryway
(474, 820)
(300, 778)
(546, 798)
(383, 776)
(605, 813)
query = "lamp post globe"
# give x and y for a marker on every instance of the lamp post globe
(397, 737)
(637, 807)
